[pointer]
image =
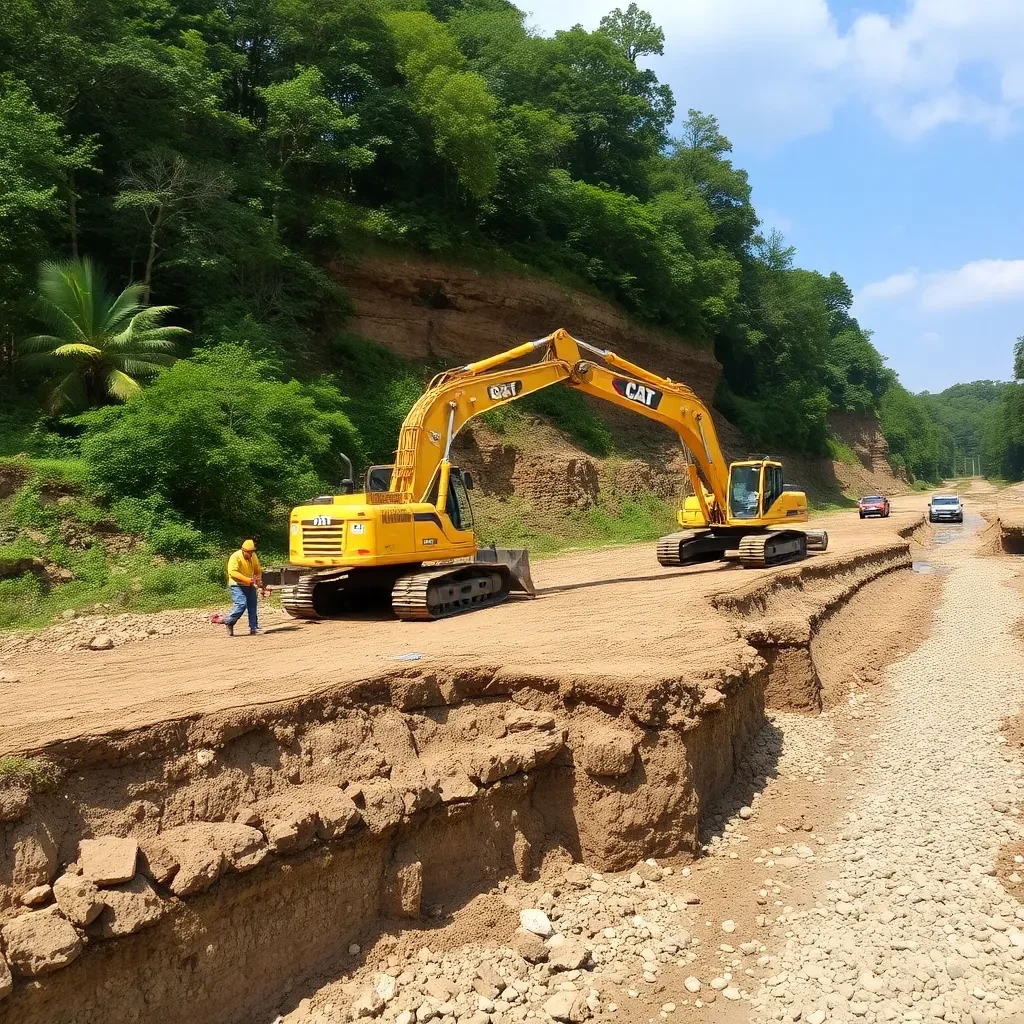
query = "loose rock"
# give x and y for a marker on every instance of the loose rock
(40, 942)
(78, 899)
(130, 908)
(108, 860)
(535, 921)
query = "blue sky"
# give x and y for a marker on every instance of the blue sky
(885, 139)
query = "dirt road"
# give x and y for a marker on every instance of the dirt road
(609, 614)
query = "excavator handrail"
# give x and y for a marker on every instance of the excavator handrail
(455, 396)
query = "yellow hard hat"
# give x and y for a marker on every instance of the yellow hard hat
(248, 545)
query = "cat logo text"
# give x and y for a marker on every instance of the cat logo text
(642, 394)
(501, 392)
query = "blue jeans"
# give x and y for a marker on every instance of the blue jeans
(244, 600)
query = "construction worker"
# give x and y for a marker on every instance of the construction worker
(245, 576)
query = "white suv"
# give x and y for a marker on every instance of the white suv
(945, 508)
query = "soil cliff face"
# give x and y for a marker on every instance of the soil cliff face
(430, 311)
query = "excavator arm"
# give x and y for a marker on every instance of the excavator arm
(456, 396)
(410, 546)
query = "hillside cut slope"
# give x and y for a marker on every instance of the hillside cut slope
(433, 312)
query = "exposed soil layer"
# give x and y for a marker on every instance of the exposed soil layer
(361, 793)
(430, 311)
(433, 312)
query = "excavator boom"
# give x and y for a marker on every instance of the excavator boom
(456, 396)
(402, 534)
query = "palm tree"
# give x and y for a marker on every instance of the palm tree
(101, 345)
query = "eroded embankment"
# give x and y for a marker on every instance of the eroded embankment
(243, 852)
(800, 620)
(1005, 531)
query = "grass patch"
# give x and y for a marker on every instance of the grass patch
(123, 556)
(510, 523)
(34, 772)
(840, 451)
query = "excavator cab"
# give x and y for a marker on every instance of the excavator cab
(754, 487)
(457, 505)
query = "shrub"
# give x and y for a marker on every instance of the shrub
(221, 440)
(34, 772)
(177, 540)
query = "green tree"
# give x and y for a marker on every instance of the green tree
(163, 188)
(634, 32)
(457, 103)
(916, 443)
(35, 158)
(101, 345)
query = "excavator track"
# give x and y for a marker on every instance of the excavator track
(297, 600)
(668, 549)
(442, 592)
(688, 548)
(774, 547)
(332, 593)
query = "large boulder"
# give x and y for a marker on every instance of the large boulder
(35, 861)
(40, 942)
(242, 846)
(289, 825)
(199, 867)
(335, 811)
(78, 899)
(156, 861)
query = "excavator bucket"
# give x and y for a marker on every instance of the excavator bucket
(518, 562)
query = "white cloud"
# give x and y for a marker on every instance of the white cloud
(974, 283)
(892, 287)
(778, 69)
(977, 283)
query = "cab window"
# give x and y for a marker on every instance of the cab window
(772, 485)
(459, 510)
(744, 491)
(456, 506)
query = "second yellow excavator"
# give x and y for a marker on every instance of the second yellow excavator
(408, 535)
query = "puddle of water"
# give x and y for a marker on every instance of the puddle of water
(927, 569)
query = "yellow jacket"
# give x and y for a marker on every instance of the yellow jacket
(244, 569)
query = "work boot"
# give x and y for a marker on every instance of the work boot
(230, 628)
(255, 632)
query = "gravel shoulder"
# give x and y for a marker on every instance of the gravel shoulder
(862, 868)
(913, 923)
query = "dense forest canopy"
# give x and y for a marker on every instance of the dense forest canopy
(219, 155)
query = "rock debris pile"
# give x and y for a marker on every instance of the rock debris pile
(587, 940)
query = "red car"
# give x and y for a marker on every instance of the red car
(875, 505)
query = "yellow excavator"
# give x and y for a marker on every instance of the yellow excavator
(408, 535)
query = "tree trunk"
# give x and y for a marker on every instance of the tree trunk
(147, 279)
(73, 213)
